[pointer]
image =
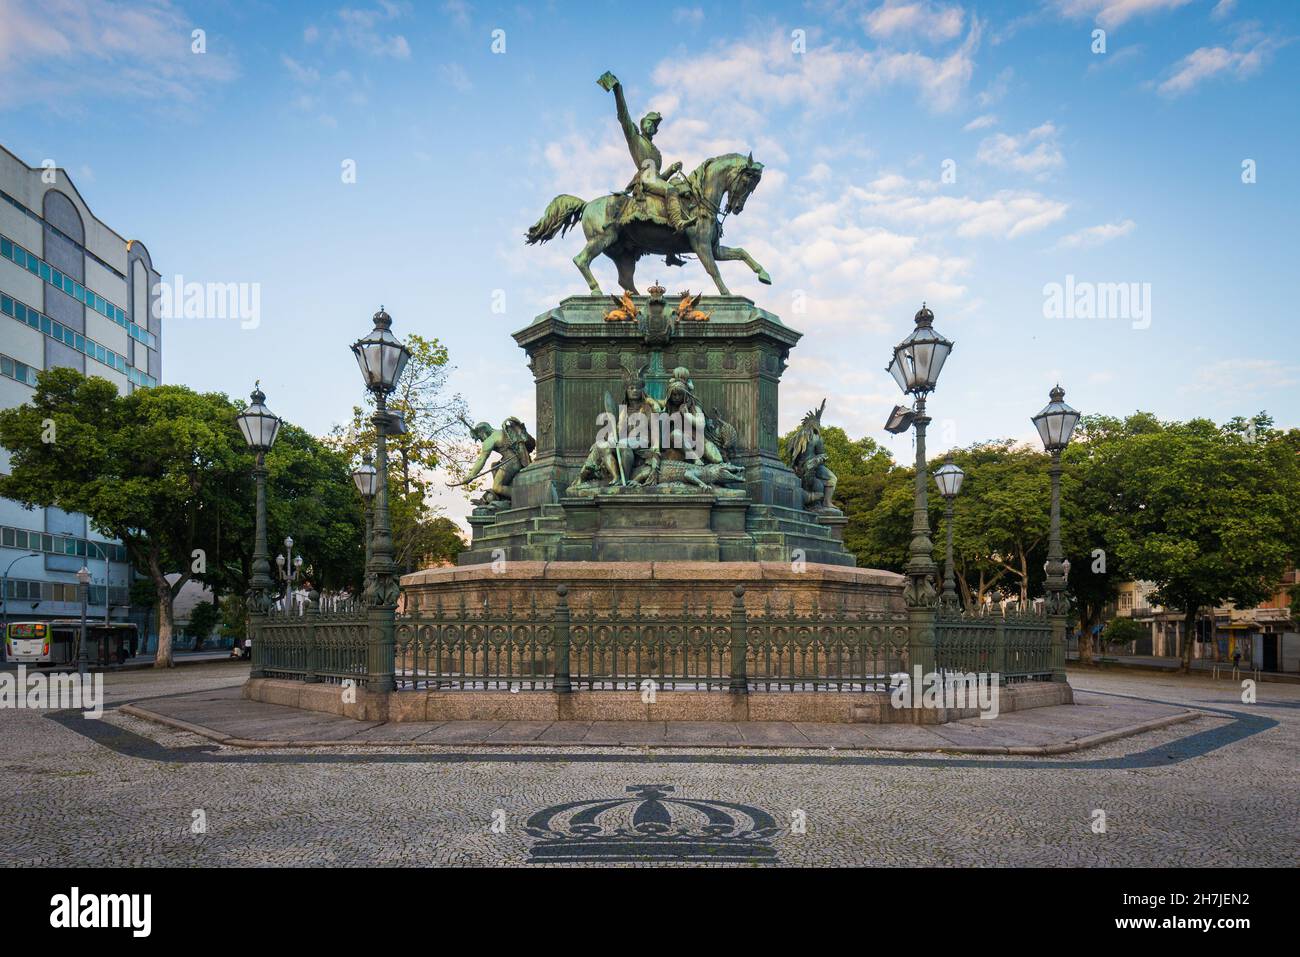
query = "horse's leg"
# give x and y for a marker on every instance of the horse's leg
(600, 234)
(596, 245)
(626, 263)
(702, 246)
(727, 253)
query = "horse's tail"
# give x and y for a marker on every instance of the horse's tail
(563, 214)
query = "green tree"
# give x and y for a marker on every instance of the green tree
(144, 468)
(1090, 499)
(1207, 514)
(204, 617)
(1000, 520)
(1122, 631)
(434, 438)
(309, 497)
(862, 469)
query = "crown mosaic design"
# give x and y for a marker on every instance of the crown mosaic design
(650, 826)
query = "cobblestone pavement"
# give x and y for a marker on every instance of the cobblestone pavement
(1221, 790)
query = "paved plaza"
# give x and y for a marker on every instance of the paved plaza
(1216, 790)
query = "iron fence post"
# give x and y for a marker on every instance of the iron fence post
(311, 615)
(739, 642)
(1058, 647)
(1000, 648)
(921, 642)
(254, 631)
(561, 683)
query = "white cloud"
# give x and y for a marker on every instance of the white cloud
(1096, 235)
(1222, 9)
(1236, 378)
(299, 72)
(361, 30)
(1035, 152)
(139, 48)
(1007, 214)
(458, 11)
(761, 74)
(981, 123)
(455, 75)
(690, 16)
(1207, 62)
(1113, 13)
(908, 17)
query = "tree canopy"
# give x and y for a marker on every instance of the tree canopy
(166, 471)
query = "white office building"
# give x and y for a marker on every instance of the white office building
(73, 292)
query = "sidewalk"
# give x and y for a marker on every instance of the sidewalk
(1201, 666)
(140, 662)
(178, 658)
(224, 716)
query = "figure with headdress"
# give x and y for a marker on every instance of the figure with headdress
(806, 456)
(514, 446)
(627, 435)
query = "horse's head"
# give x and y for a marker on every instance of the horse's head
(732, 175)
(744, 180)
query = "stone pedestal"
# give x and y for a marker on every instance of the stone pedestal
(735, 359)
(658, 585)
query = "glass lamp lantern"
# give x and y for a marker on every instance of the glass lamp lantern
(381, 356)
(919, 358)
(365, 478)
(257, 423)
(949, 478)
(1056, 422)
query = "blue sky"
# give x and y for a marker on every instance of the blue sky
(1123, 166)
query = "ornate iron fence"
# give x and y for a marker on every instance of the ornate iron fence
(699, 648)
(475, 648)
(816, 650)
(696, 648)
(312, 643)
(1015, 644)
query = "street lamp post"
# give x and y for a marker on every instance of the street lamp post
(103, 553)
(260, 428)
(1055, 425)
(916, 364)
(382, 359)
(949, 478)
(4, 591)
(83, 652)
(363, 476)
(289, 569)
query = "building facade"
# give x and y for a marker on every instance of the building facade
(74, 293)
(1265, 637)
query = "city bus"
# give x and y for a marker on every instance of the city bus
(56, 642)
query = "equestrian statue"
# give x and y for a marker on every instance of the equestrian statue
(661, 212)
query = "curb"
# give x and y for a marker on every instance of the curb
(1101, 666)
(1067, 747)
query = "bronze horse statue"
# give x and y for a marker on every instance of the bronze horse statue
(716, 188)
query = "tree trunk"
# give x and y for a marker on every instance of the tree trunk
(166, 624)
(1189, 637)
(1087, 616)
(1085, 645)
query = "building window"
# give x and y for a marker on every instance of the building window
(12, 251)
(31, 317)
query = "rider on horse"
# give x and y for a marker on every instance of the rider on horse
(646, 156)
